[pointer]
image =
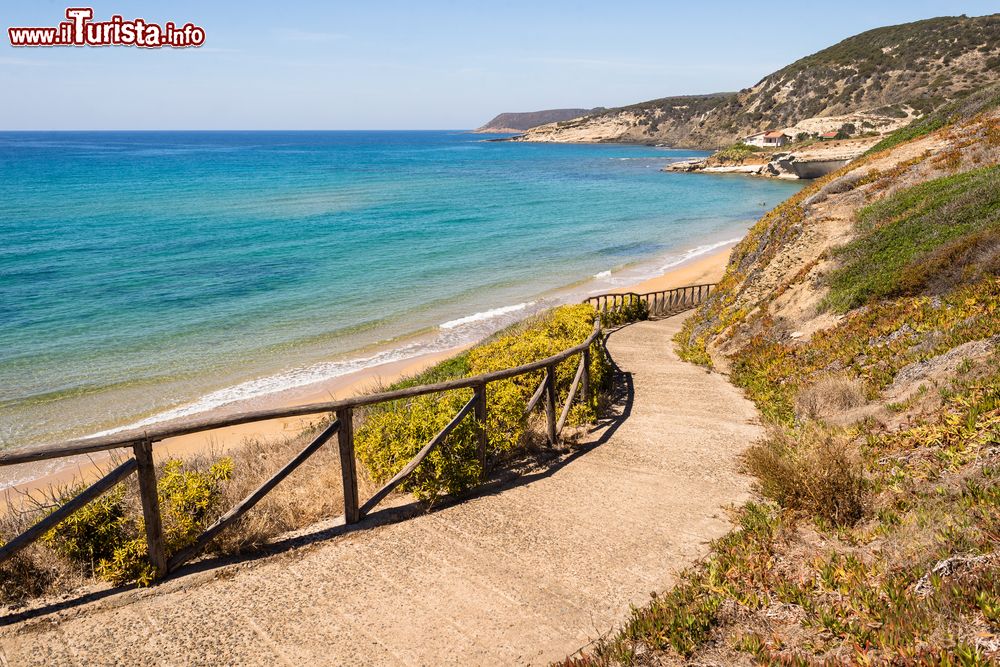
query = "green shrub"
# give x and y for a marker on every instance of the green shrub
(633, 310)
(107, 536)
(812, 470)
(187, 498)
(908, 238)
(128, 562)
(391, 434)
(546, 336)
(89, 535)
(737, 152)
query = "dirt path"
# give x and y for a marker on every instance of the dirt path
(525, 575)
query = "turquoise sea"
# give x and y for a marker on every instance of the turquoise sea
(150, 275)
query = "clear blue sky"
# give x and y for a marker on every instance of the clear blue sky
(428, 64)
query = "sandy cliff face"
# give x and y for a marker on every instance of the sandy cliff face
(616, 127)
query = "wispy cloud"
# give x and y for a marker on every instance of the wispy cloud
(294, 35)
(216, 49)
(14, 62)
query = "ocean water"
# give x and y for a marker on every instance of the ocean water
(149, 275)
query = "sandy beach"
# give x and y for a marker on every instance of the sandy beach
(703, 269)
(707, 268)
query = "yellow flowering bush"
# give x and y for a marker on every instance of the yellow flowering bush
(391, 434)
(107, 536)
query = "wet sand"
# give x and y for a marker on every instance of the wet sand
(706, 268)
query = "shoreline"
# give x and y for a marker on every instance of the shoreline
(706, 267)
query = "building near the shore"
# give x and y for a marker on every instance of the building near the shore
(829, 135)
(768, 139)
(776, 138)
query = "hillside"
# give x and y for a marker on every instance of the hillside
(878, 79)
(521, 121)
(861, 316)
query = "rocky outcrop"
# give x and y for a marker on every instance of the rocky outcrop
(811, 161)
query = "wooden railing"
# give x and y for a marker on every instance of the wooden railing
(661, 304)
(342, 411)
(142, 443)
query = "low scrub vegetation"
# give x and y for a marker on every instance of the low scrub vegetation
(870, 344)
(874, 537)
(813, 470)
(736, 153)
(908, 240)
(874, 546)
(977, 101)
(829, 397)
(106, 538)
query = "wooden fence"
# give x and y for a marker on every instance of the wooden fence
(661, 304)
(342, 411)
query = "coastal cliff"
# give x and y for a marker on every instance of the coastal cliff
(886, 77)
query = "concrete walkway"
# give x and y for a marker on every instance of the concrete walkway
(527, 574)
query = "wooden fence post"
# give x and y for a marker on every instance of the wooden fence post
(585, 386)
(480, 413)
(148, 494)
(550, 404)
(348, 468)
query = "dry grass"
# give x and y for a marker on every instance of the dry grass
(34, 571)
(314, 491)
(829, 396)
(814, 470)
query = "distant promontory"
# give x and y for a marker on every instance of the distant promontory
(519, 122)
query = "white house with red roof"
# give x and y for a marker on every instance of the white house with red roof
(768, 139)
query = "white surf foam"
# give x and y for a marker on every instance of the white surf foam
(454, 334)
(487, 315)
(272, 384)
(696, 252)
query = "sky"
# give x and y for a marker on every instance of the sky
(414, 65)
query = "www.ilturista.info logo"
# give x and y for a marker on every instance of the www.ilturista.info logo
(81, 30)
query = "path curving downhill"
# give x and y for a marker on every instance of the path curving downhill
(526, 573)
